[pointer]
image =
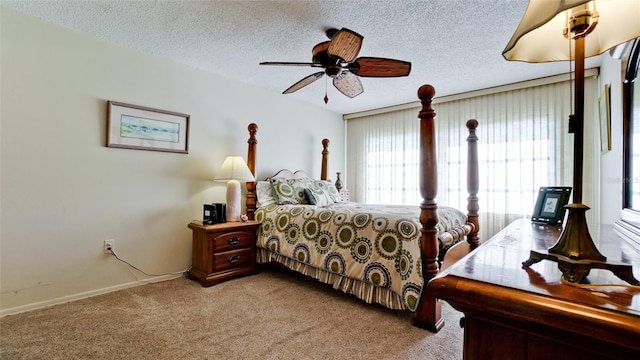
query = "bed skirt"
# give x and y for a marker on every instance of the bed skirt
(362, 290)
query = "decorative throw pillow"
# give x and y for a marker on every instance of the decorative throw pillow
(265, 194)
(290, 191)
(330, 189)
(317, 196)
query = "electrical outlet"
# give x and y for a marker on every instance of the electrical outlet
(108, 246)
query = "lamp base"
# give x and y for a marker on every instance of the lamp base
(575, 252)
(233, 201)
(575, 271)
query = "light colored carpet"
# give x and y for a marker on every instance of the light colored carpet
(273, 315)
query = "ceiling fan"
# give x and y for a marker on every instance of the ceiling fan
(338, 59)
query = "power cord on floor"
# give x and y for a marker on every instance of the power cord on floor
(112, 252)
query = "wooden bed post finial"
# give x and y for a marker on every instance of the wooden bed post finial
(325, 159)
(251, 163)
(426, 92)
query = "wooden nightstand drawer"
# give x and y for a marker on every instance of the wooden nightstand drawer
(232, 259)
(233, 240)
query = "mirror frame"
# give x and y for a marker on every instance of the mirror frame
(629, 224)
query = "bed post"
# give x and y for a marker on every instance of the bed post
(472, 184)
(325, 157)
(251, 163)
(428, 314)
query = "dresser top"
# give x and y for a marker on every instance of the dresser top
(492, 279)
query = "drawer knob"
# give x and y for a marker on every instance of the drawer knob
(233, 259)
(234, 241)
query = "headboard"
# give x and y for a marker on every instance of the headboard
(252, 200)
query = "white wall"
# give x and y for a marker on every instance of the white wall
(63, 192)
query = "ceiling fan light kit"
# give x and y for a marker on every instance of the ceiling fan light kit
(338, 59)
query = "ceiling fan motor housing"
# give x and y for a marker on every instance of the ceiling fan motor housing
(333, 70)
(331, 64)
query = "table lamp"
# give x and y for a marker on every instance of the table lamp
(545, 34)
(234, 170)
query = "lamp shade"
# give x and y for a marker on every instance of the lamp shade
(540, 38)
(234, 168)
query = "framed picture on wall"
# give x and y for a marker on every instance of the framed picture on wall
(605, 119)
(142, 128)
(549, 207)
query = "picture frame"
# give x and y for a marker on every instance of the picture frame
(604, 106)
(549, 208)
(144, 128)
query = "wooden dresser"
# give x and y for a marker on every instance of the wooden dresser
(221, 251)
(514, 313)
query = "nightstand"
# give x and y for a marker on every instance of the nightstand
(221, 251)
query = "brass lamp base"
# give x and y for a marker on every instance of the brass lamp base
(575, 252)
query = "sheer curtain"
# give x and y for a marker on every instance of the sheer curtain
(524, 145)
(382, 158)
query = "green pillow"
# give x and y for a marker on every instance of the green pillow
(290, 191)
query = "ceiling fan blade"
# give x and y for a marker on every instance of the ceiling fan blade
(348, 84)
(345, 44)
(379, 67)
(304, 82)
(290, 63)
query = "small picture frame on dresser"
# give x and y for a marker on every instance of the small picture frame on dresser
(550, 205)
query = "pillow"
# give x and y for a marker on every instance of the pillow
(290, 191)
(265, 194)
(330, 189)
(318, 196)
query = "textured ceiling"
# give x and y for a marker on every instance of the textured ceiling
(454, 45)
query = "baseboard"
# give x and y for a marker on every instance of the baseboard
(83, 295)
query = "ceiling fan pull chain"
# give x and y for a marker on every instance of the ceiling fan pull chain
(326, 97)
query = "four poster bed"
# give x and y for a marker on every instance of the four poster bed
(379, 253)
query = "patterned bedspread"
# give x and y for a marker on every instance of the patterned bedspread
(374, 244)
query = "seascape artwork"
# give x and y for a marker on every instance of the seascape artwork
(134, 127)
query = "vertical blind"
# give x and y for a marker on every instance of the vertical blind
(523, 145)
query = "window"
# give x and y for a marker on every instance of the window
(393, 172)
(524, 145)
